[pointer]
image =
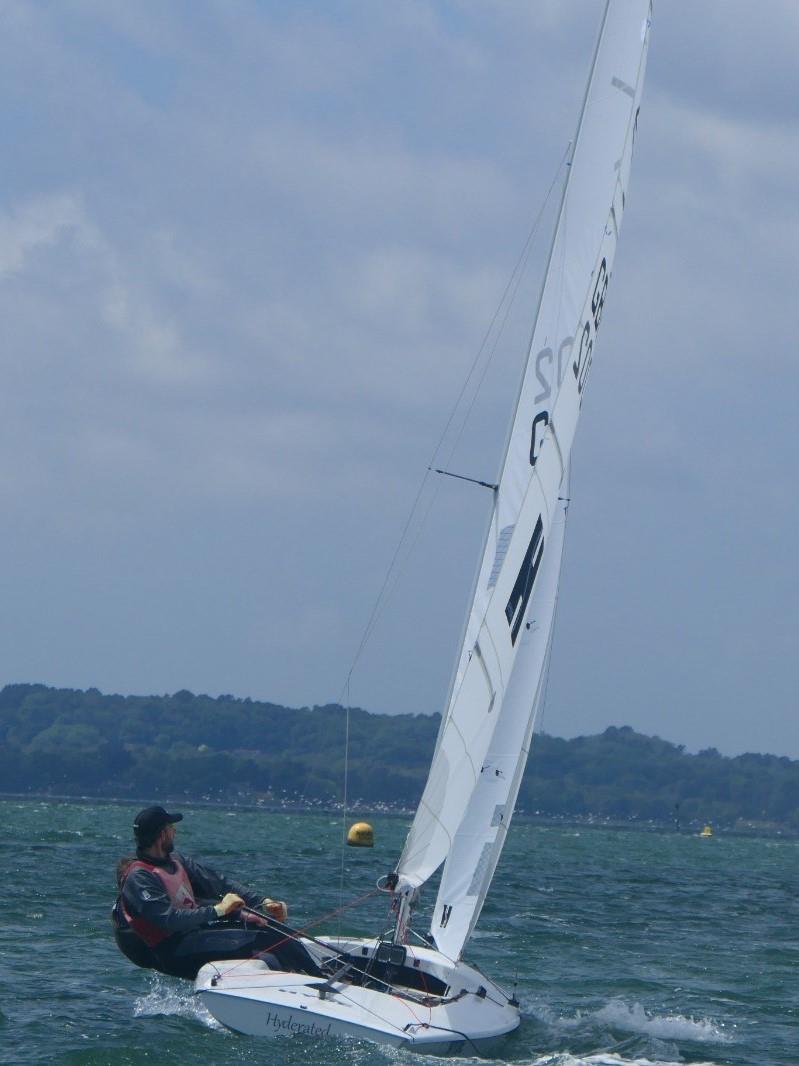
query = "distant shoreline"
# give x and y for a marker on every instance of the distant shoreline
(765, 832)
(135, 749)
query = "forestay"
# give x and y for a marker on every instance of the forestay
(497, 683)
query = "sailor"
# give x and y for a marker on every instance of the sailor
(174, 915)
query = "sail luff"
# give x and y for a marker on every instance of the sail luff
(554, 242)
(542, 432)
(462, 644)
(478, 843)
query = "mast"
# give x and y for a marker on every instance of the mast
(487, 703)
(555, 231)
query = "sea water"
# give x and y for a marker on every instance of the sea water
(623, 946)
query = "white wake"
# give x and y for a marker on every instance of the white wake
(167, 998)
(635, 1019)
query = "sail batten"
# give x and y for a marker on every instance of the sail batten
(497, 684)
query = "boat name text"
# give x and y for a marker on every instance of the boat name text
(288, 1025)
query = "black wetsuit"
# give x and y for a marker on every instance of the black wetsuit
(197, 935)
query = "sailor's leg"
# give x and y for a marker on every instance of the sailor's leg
(290, 952)
(134, 948)
(184, 955)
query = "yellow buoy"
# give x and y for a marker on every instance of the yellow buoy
(707, 831)
(361, 835)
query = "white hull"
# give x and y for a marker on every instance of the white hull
(250, 998)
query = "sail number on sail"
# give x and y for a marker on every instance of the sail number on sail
(582, 364)
(523, 585)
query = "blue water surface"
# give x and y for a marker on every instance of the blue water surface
(624, 947)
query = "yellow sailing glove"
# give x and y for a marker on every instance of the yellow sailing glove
(228, 903)
(276, 908)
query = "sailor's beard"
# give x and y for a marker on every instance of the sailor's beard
(169, 847)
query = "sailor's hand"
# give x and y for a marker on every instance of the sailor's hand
(255, 919)
(276, 908)
(228, 903)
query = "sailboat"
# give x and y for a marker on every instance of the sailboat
(391, 989)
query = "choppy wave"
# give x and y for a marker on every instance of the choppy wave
(634, 1019)
(615, 979)
(563, 1058)
(165, 998)
(552, 1058)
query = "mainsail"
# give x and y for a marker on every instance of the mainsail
(477, 845)
(497, 688)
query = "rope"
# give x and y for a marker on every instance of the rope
(408, 543)
(514, 284)
(405, 998)
(324, 917)
(296, 934)
(506, 301)
(548, 658)
(344, 808)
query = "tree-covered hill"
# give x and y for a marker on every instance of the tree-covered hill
(69, 742)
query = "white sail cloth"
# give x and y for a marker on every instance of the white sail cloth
(485, 690)
(477, 845)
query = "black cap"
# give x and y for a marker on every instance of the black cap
(149, 823)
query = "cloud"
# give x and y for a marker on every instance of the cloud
(248, 253)
(33, 225)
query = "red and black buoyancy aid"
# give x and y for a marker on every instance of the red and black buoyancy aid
(179, 890)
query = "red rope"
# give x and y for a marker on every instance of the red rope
(295, 934)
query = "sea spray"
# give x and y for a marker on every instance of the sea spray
(634, 1019)
(167, 997)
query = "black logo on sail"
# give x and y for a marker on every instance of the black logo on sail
(517, 604)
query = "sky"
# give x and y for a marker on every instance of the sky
(248, 252)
